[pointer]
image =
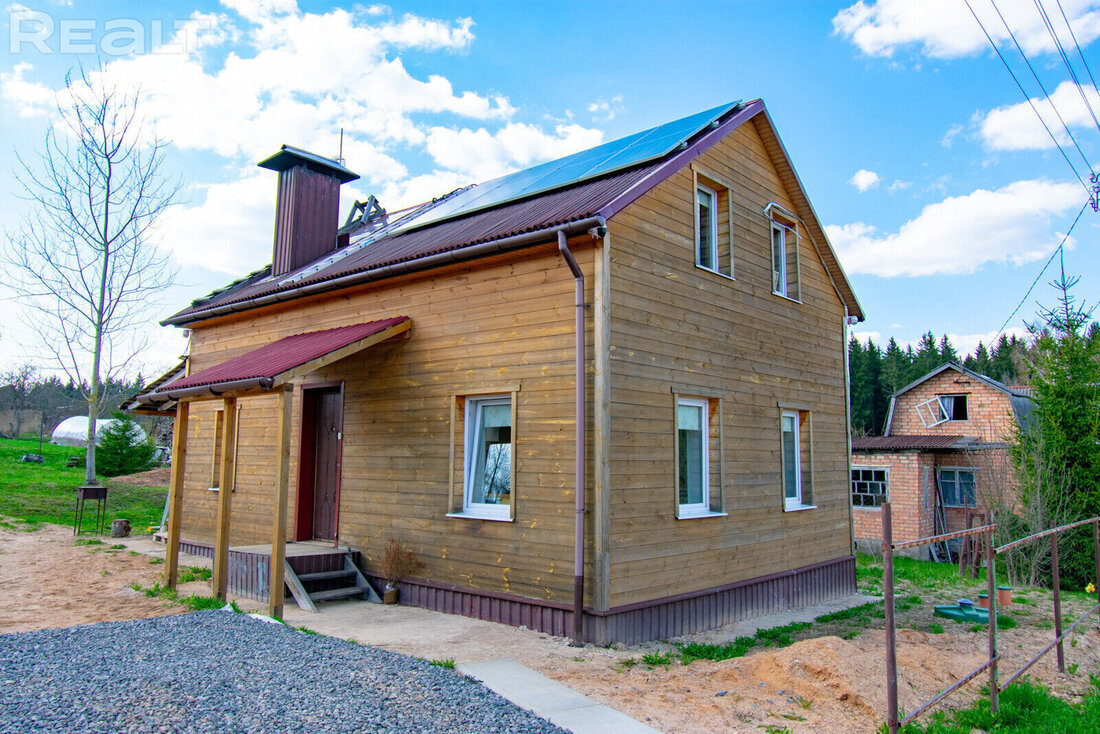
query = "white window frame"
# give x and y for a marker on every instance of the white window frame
(802, 454)
(933, 412)
(702, 508)
(473, 418)
(885, 486)
(956, 470)
(712, 227)
(780, 281)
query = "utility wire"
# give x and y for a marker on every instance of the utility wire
(1027, 97)
(1065, 60)
(1040, 83)
(1057, 251)
(1075, 43)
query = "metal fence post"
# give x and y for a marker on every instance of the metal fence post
(1096, 555)
(1057, 601)
(891, 630)
(991, 594)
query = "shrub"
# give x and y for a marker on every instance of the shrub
(122, 450)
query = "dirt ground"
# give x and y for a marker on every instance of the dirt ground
(823, 684)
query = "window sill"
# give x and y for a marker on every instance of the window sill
(785, 297)
(869, 509)
(712, 271)
(798, 508)
(479, 516)
(692, 515)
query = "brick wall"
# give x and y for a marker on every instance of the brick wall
(990, 411)
(904, 489)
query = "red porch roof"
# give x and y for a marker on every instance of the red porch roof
(280, 360)
(899, 443)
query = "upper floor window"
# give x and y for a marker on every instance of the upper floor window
(943, 408)
(784, 245)
(706, 227)
(713, 231)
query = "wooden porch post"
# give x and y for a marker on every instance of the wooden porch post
(220, 581)
(276, 591)
(175, 492)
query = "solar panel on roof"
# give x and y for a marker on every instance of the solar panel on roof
(603, 159)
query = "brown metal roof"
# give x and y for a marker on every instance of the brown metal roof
(602, 197)
(898, 443)
(277, 358)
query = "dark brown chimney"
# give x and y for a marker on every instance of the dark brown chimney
(307, 207)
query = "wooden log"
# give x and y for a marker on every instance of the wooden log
(276, 593)
(220, 579)
(175, 492)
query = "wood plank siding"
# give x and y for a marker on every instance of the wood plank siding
(656, 327)
(677, 328)
(498, 325)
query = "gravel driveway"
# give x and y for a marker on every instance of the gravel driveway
(222, 672)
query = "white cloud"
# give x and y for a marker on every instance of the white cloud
(863, 336)
(899, 185)
(228, 229)
(962, 233)
(864, 179)
(965, 344)
(484, 155)
(605, 110)
(1015, 127)
(946, 29)
(949, 136)
(30, 99)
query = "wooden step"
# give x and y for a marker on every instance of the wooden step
(323, 575)
(337, 593)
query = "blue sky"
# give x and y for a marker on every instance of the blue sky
(939, 190)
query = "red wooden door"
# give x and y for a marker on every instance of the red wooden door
(326, 465)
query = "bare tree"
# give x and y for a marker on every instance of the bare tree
(83, 256)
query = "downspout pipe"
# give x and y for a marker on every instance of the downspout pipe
(578, 531)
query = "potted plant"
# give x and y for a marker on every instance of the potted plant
(398, 563)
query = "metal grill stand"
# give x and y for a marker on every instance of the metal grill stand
(90, 492)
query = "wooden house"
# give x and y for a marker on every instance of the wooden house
(944, 451)
(604, 396)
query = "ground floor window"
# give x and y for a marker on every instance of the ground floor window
(489, 459)
(692, 449)
(796, 459)
(868, 487)
(958, 488)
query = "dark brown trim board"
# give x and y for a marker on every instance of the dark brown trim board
(658, 619)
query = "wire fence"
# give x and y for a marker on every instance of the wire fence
(985, 532)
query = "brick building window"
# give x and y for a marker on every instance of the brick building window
(958, 488)
(869, 487)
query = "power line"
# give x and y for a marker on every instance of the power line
(1065, 60)
(1040, 83)
(1057, 251)
(1027, 97)
(1075, 43)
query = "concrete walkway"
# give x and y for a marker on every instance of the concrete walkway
(551, 700)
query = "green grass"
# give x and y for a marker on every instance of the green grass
(1025, 708)
(657, 659)
(192, 573)
(43, 493)
(448, 663)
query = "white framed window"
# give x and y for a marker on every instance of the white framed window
(943, 408)
(783, 226)
(869, 486)
(796, 463)
(489, 465)
(958, 488)
(692, 457)
(706, 227)
(779, 259)
(216, 462)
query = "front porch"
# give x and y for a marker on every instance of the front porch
(314, 567)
